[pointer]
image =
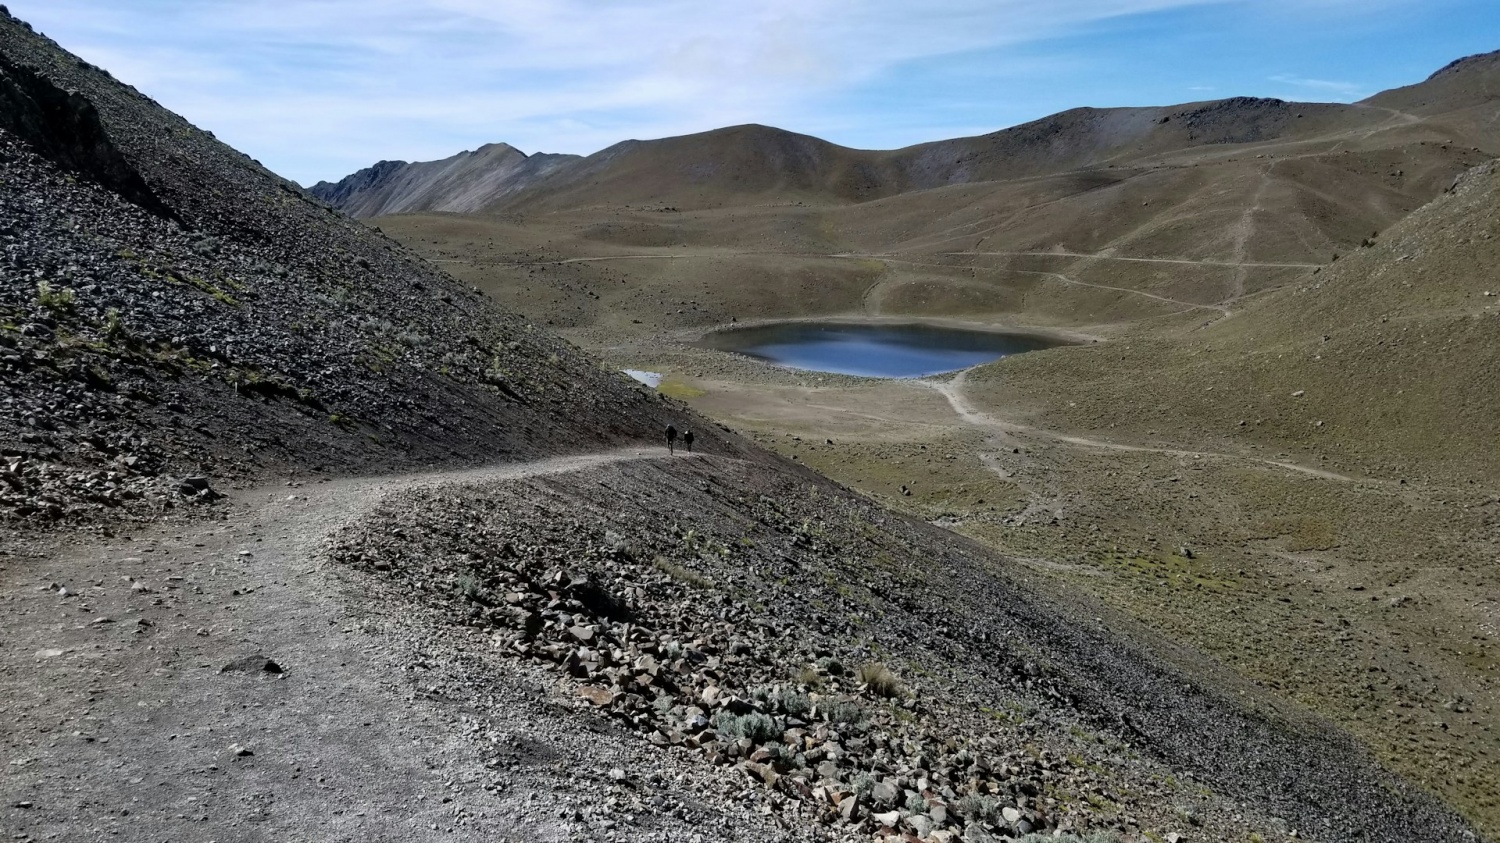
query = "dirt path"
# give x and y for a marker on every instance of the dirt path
(966, 411)
(1095, 256)
(1076, 282)
(1243, 232)
(120, 720)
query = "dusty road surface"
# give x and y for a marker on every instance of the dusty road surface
(122, 721)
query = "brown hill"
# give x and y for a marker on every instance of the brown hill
(751, 164)
(1383, 362)
(1463, 93)
(759, 164)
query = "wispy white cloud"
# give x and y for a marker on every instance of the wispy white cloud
(1328, 87)
(305, 83)
(317, 88)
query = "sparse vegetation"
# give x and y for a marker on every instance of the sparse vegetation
(679, 573)
(878, 678)
(755, 726)
(59, 301)
(794, 703)
(674, 388)
(114, 327)
(975, 806)
(843, 711)
(469, 586)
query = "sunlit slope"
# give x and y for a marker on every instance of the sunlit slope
(1383, 363)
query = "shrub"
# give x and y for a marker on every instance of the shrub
(468, 585)
(686, 576)
(830, 666)
(843, 711)
(977, 807)
(759, 728)
(114, 328)
(809, 677)
(794, 703)
(879, 679)
(58, 301)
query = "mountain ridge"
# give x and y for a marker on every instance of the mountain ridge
(462, 183)
(738, 163)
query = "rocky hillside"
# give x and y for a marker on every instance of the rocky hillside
(858, 672)
(170, 308)
(467, 182)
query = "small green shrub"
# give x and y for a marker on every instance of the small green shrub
(977, 807)
(468, 585)
(843, 711)
(758, 727)
(830, 666)
(57, 301)
(794, 703)
(114, 327)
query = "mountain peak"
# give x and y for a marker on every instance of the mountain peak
(1467, 63)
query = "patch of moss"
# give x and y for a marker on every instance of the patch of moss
(673, 388)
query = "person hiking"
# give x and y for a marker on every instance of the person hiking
(671, 439)
(687, 439)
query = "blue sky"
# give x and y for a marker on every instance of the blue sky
(316, 89)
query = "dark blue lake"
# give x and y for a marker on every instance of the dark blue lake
(872, 349)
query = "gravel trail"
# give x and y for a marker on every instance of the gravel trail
(123, 721)
(953, 391)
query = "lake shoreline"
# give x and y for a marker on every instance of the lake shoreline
(888, 348)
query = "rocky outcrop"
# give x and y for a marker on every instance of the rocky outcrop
(467, 182)
(63, 126)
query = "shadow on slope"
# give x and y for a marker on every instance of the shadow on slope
(241, 329)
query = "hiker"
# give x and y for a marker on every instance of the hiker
(687, 439)
(671, 439)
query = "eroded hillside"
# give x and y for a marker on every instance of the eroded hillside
(170, 308)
